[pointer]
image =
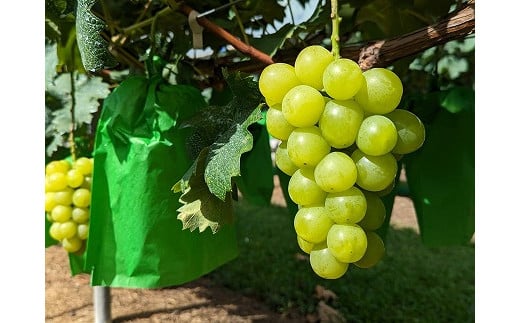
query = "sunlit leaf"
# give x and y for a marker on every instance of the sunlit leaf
(92, 46)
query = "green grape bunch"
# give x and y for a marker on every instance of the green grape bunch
(340, 136)
(67, 202)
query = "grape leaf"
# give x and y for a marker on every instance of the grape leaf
(59, 19)
(201, 209)
(222, 137)
(459, 98)
(209, 123)
(224, 158)
(383, 19)
(51, 61)
(269, 44)
(92, 47)
(87, 92)
(452, 66)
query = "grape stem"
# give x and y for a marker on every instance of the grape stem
(334, 37)
(72, 143)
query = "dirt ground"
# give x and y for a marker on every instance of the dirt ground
(70, 299)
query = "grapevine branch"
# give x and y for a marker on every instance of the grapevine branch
(381, 53)
(225, 35)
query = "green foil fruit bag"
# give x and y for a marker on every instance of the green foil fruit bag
(135, 239)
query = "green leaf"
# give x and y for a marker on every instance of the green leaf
(452, 66)
(208, 124)
(269, 44)
(59, 19)
(458, 99)
(224, 157)
(58, 9)
(201, 209)
(270, 10)
(69, 57)
(87, 93)
(222, 136)
(256, 180)
(93, 48)
(441, 179)
(51, 62)
(382, 19)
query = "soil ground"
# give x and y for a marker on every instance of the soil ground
(70, 299)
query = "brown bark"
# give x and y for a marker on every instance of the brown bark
(384, 52)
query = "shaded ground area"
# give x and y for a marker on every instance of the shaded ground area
(70, 299)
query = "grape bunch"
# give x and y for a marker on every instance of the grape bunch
(67, 201)
(341, 135)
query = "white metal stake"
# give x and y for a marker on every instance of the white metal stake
(102, 301)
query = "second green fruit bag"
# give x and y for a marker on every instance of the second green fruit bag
(135, 239)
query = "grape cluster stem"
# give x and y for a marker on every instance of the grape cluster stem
(334, 37)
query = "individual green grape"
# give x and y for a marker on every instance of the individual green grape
(374, 173)
(55, 232)
(304, 245)
(74, 178)
(55, 182)
(410, 131)
(68, 229)
(64, 197)
(272, 104)
(347, 242)
(312, 223)
(302, 106)
(381, 92)
(81, 197)
(342, 79)
(340, 122)
(61, 213)
(375, 251)
(84, 165)
(346, 207)
(306, 146)
(336, 172)
(303, 189)
(375, 214)
(282, 160)
(72, 244)
(310, 64)
(80, 215)
(50, 203)
(82, 231)
(57, 166)
(276, 80)
(377, 135)
(325, 265)
(276, 124)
